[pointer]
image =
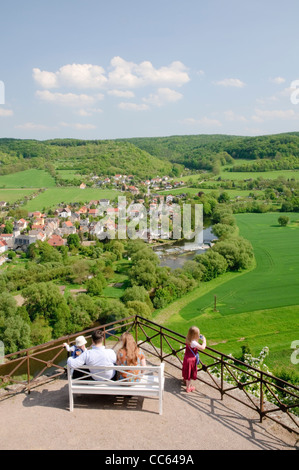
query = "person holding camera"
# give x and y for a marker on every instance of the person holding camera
(191, 357)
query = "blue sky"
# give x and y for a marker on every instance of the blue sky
(98, 69)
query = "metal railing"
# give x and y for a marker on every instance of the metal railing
(278, 400)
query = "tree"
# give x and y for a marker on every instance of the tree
(45, 300)
(146, 254)
(112, 310)
(192, 268)
(136, 307)
(212, 263)
(8, 227)
(283, 220)
(143, 273)
(238, 252)
(224, 230)
(41, 332)
(95, 285)
(73, 241)
(8, 307)
(136, 293)
(16, 334)
(116, 247)
(80, 270)
(224, 198)
(46, 252)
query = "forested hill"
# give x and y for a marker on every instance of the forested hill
(201, 151)
(101, 157)
(151, 156)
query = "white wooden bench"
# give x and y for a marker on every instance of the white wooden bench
(151, 382)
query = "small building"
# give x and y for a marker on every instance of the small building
(3, 246)
(56, 240)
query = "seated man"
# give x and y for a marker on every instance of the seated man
(98, 355)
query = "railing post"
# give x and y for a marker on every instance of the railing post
(161, 344)
(222, 381)
(28, 372)
(136, 330)
(261, 398)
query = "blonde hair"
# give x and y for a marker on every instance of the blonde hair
(131, 348)
(192, 334)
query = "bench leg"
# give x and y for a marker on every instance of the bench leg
(71, 402)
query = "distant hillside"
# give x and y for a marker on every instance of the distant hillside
(201, 151)
(149, 157)
(105, 157)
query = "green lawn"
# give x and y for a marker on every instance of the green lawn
(54, 196)
(27, 179)
(259, 307)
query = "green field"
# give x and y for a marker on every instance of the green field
(70, 175)
(54, 196)
(257, 308)
(233, 193)
(243, 175)
(13, 195)
(27, 179)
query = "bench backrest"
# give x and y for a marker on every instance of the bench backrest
(131, 372)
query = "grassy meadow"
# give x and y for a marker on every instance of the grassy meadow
(259, 307)
(27, 179)
(13, 195)
(54, 196)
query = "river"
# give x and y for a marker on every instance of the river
(175, 255)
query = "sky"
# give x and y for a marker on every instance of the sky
(98, 69)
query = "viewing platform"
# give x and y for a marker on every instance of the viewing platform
(213, 417)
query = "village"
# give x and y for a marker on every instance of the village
(96, 219)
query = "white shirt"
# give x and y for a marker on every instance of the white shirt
(96, 356)
(195, 344)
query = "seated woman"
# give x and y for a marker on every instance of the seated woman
(130, 355)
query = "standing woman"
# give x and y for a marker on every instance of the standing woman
(189, 370)
(130, 355)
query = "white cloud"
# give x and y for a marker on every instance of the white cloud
(263, 115)
(88, 112)
(230, 115)
(230, 82)
(133, 106)
(66, 99)
(78, 125)
(45, 79)
(163, 96)
(277, 80)
(123, 74)
(121, 93)
(205, 121)
(34, 126)
(6, 112)
(130, 75)
(72, 75)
